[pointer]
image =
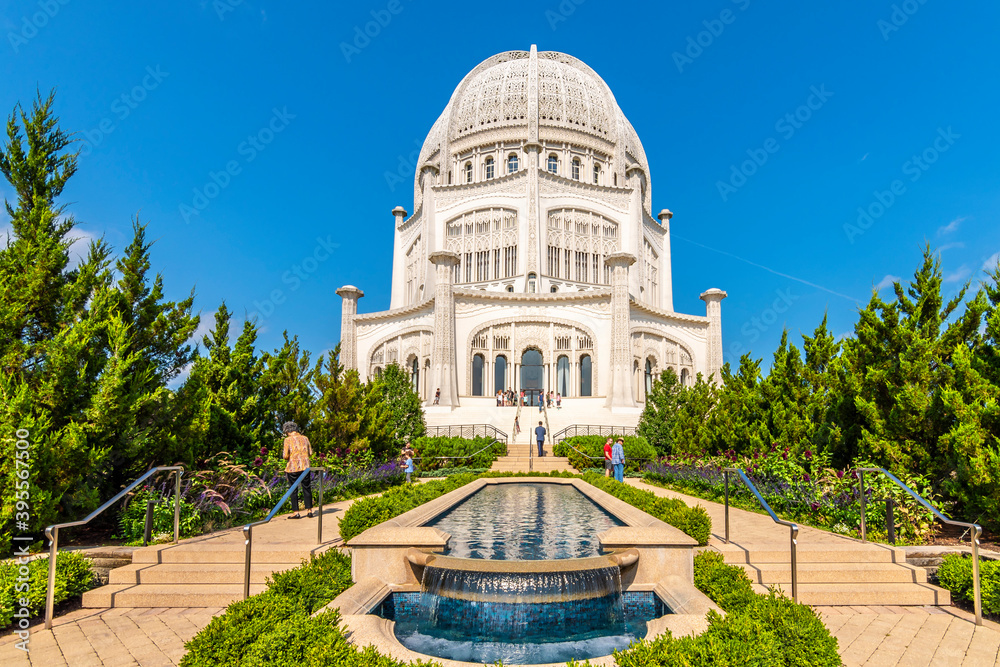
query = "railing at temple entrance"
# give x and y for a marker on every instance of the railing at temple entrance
(589, 429)
(467, 431)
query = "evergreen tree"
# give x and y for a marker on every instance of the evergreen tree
(785, 395)
(822, 374)
(347, 414)
(695, 405)
(402, 404)
(659, 417)
(739, 419)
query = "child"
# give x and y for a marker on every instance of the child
(408, 464)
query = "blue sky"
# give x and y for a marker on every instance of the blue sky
(295, 141)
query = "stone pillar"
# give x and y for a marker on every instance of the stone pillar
(428, 227)
(444, 361)
(398, 296)
(713, 310)
(348, 332)
(620, 393)
(666, 270)
(633, 232)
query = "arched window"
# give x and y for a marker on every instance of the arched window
(532, 375)
(685, 376)
(478, 364)
(415, 375)
(585, 375)
(616, 180)
(597, 173)
(510, 288)
(468, 172)
(490, 171)
(532, 283)
(553, 164)
(378, 372)
(553, 289)
(500, 373)
(562, 375)
(649, 376)
(511, 163)
(576, 169)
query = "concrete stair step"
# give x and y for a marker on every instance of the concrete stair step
(236, 554)
(194, 573)
(109, 563)
(821, 553)
(866, 594)
(166, 595)
(833, 573)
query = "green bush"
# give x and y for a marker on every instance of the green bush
(448, 472)
(132, 517)
(955, 574)
(430, 447)
(638, 451)
(757, 631)
(73, 578)
(691, 520)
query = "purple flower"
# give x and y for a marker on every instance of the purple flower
(258, 461)
(840, 474)
(263, 451)
(814, 505)
(809, 454)
(785, 456)
(805, 478)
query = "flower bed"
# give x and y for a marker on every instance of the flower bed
(804, 489)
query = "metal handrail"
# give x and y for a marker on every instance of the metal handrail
(794, 529)
(486, 428)
(52, 532)
(495, 442)
(248, 529)
(976, 529)
(610, 430)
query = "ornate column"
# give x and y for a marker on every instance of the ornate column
(348, 332)
(428, 225)
(633, 232)
(666, 270)
(398, 295)
(620, 393)
(713, 310)
(444, 363)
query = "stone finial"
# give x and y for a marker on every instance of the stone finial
(665, 214)
(350, 292)
(714, 294)
(619, 259)
(399, 213)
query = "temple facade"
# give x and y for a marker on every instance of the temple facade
(532, 260)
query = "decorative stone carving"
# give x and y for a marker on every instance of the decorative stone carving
(348, 334)
(444, 369)
(713, 310)
(620, 393)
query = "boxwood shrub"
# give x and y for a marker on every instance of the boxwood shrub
(694, 521)
(638, 451)
(73, 578)
(430, 447)
(955, 574)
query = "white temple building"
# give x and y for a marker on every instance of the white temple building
(533, 260)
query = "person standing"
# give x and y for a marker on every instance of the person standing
(618, 459)
(296, 452)
(540, 437)
(607, 457)
(517, 425)
(558, 401)
(408, 464)
(437, 395)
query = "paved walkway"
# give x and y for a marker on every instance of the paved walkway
(869, 636)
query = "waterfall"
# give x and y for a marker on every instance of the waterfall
(538, 606)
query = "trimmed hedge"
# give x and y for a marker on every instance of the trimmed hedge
(955, 574)
(429, 447)
(692, 520)
(757, 631)
(73, 578)
(637, 451)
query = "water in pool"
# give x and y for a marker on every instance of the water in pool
(525, 522)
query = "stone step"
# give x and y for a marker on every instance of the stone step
(167, 595)
(817, 553)
(866, 594)
(194, 573)
(236, 554)
(109, 563)
(832, 573)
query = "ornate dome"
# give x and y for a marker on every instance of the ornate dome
(534, 96)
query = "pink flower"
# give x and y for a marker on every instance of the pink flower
(785, 456)
(805, 478)
(263, 451)
(840, 474)
(257, 461)
(814, 506)
(809, 454)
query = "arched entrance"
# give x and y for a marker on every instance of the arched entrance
(532, 375)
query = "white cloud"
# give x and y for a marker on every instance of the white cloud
(205, 325)
(951, 226)
(958, 275)
(949, 246)
(887, 281)
(77, 251)
(863, 157)
(991, 262)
